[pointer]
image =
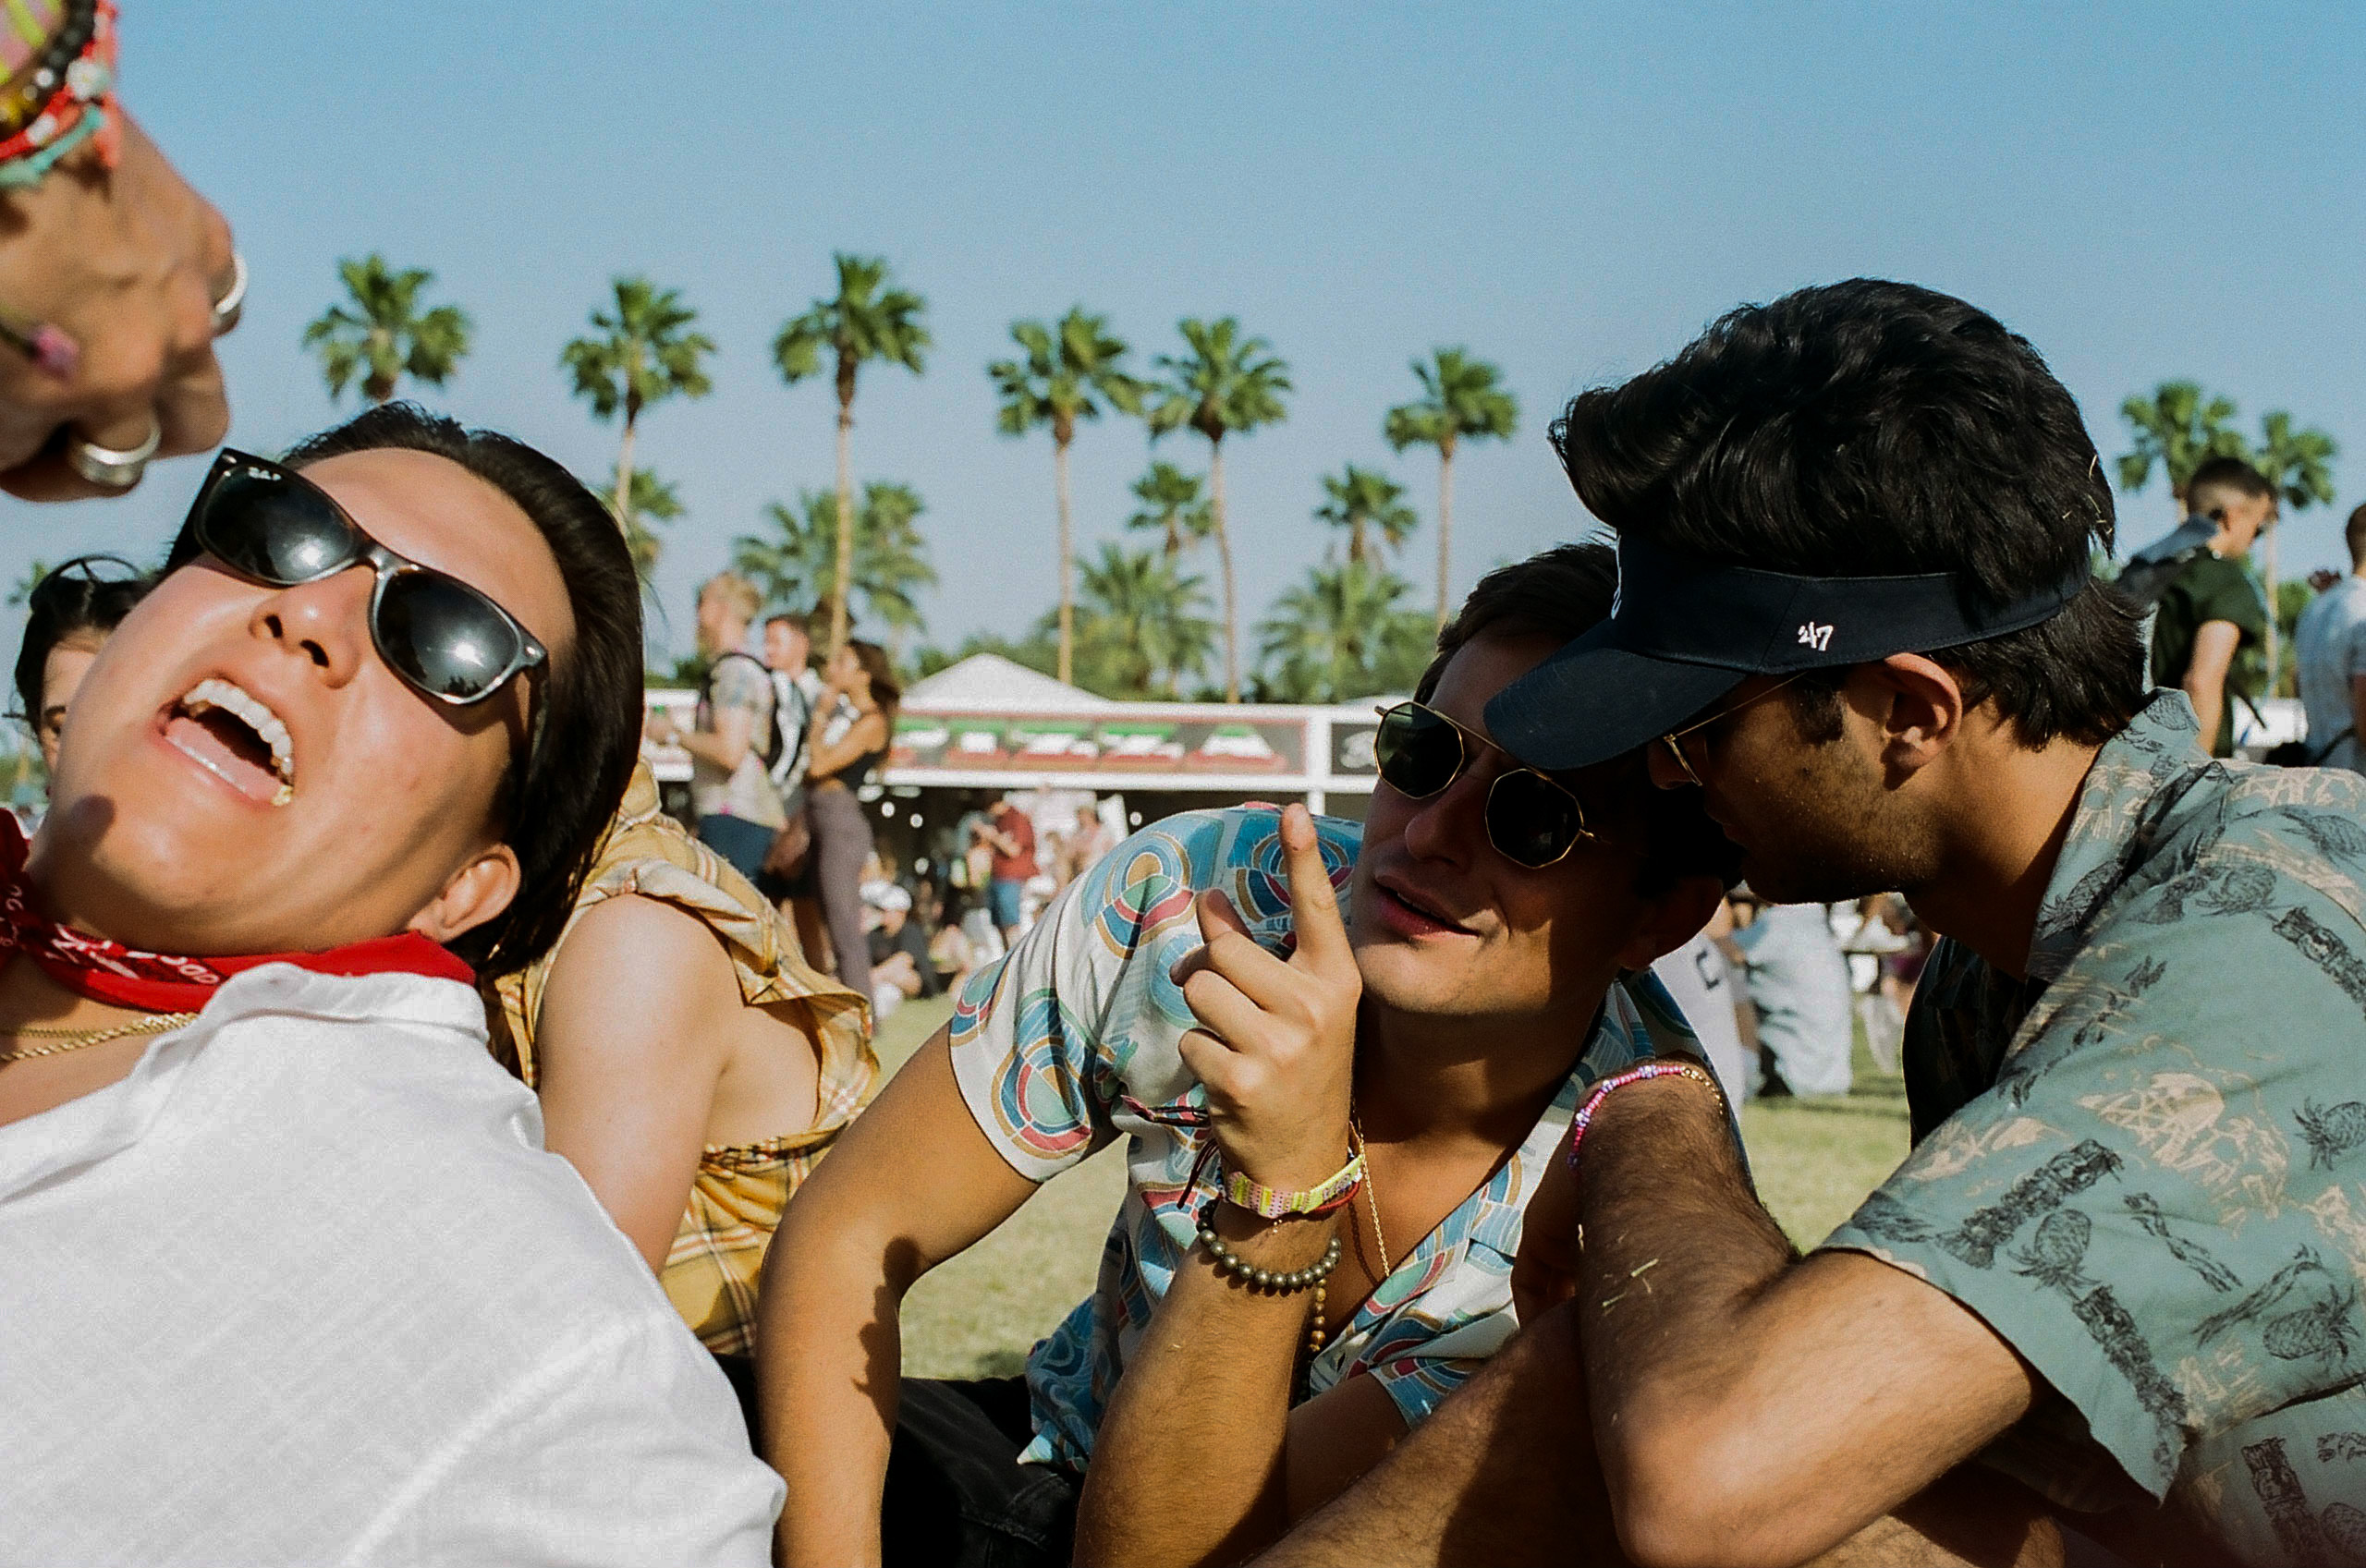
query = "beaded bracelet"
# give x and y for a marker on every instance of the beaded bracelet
(1601, 1091)
(73, 114)
(1280, 1283)
(1276, 1203)
(32, 84)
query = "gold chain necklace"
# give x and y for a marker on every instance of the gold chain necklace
(75, 1039)
(1372, 1196)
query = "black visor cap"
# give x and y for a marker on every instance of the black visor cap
(1683, 632)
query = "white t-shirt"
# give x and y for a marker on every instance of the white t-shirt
(304, 1288)
(1702, 983)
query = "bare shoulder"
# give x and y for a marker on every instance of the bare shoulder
(631, 963)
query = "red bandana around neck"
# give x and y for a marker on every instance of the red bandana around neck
(164, 982)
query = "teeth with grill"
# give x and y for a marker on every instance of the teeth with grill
(235, 701)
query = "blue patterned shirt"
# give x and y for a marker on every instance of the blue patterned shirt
(1071, 1043)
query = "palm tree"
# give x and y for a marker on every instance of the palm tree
(1141, 630)
(1343, 634)
(652, 499)
(1460, 399)
(2299, 465)
(1361, 500)
(1225, 384)
(797, 567)
(867, 320)
(644, 355)
(386, 336)
(1068, 372)
(1171, 503)
(2179, 427)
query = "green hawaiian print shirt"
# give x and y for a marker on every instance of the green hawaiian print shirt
(2144, 1166)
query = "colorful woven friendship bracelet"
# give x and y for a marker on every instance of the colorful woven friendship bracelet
(1277, 1203)
(32, 80)
(76, 112)
(1602, 1090)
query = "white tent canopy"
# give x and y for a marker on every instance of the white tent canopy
(988, 683)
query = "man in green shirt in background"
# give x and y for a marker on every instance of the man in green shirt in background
(2213, 609)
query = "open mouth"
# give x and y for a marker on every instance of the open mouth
(234, 736)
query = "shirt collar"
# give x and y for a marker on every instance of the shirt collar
(105, 1122)
(2160, 746)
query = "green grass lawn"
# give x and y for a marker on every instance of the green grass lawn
(978, 1315)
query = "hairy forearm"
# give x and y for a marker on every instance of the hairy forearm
(1822, 1394)
(830, 1375)
(1202, 1411)
(1503, 1472)
(1675, 1251)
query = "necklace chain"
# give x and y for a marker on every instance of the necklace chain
(75, 1039)
(1372, 1196)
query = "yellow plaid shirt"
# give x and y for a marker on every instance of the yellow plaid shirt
(739, 1191)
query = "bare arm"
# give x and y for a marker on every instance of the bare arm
(635, 1028)
(1268, 1465)
(2205, 675)
(1709, 1352)
(865, 735)
(910, 1184)
(1503, 1472)
(725, 745)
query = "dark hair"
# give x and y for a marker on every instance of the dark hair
(589, 726)
(886, 689)
(1867, 428)
(1562, 594)
(788, 617)
(2353, 534)
(2221, 477)
(72, 600)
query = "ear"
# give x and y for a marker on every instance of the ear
(478, 891)
(1672, 920)
(1918, 705)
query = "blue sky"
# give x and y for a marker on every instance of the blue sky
(2144, 191)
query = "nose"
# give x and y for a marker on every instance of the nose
(327, 622)
(1450, 825)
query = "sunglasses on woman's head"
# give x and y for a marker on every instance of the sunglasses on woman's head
(273, 526)
(1532, 820)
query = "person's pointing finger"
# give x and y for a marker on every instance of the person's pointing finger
(1314, 905)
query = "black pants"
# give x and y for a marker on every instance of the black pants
(957, 1495)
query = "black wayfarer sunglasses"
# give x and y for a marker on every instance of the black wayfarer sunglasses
(1531, 820)
(273, 526)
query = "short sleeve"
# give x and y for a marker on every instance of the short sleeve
(2149, 1204)
(738, 685)
(2225, 593)
(1034, 1049)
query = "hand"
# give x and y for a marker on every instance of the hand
(127, 261)
(1544, 1274)
(660, 728)
(1277, 1041)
